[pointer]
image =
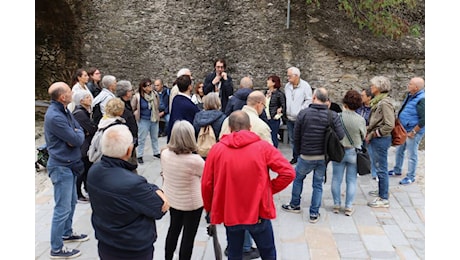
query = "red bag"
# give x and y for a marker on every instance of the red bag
(398, 134)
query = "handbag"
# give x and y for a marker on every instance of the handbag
(398, 134)
(333, 148)
(363, 160)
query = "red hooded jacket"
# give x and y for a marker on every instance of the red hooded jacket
(236, 185)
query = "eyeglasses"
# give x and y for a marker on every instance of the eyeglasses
(219, 67)
(290, 76)
(263, 104)
(148, 85)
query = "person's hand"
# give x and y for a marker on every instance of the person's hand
(165, 206)
(216, 79)
(224, 75)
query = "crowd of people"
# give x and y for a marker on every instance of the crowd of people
(246, 124)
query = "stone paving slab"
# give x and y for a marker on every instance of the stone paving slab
(397, 232)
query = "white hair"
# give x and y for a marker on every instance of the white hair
(108, 80)
(183, 71)
(295, 71)
(116, 141)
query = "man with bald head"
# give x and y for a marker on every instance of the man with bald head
(63, 136)
(254, 107)
(412, 117)
(238, 100)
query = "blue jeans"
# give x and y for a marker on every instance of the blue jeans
(411, 145)
(338, 169)
(275, 127)
(65, 199)
(373, 170)
(145, 127)
(290, 127)
(262, 232)
(302, 168)
(380, 146)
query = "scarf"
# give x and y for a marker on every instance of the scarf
(377, 99)
(153, 106)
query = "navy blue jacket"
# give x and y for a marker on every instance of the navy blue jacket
(310, 129)
(124, 207)
(215, 118)
(238, 100)
(182, 109)
(84, 119)
(63, 136)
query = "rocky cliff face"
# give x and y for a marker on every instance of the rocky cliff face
(136, 39)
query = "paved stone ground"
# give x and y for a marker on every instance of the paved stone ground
(397, 232)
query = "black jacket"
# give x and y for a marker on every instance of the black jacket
(130, 120)
(125, 206)
(84, 119)
(226, 88)
(310, 129)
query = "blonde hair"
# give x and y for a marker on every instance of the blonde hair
(114, 107)
(182, 139)
(211, 101)
(116, 140)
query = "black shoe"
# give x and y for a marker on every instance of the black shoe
(65, 253)
(226, 251)
(314, 218)
(75, 238)
(157, 155)
(83, 200)
(252, 254)
(293, 161)
(140, 160)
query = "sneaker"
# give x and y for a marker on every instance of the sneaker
(392, 172)
(349, 211)
(83, 200)
(374, 193)
(157, 155)
(289, 208)
(253, 253)
(140, 160)
(336, 209)
(65, 253)
(406, 181)
(379, 203)
(75, 238)
(314, 218)
(293, 161)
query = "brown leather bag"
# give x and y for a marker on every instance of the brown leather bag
(398, 134)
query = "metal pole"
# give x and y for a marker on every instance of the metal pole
(288, 14)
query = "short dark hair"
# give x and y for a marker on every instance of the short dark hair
(275, 80)
(222, 61)
(352, 99)
(183, 82)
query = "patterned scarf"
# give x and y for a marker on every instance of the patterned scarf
(153, 106)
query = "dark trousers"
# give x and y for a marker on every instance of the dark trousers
(81, 179)
(261, 232)
(106, 253)
(189, 221)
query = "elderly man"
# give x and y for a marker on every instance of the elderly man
(63, 136)
(175, 90)
(225, 186)
(298, 96)
(238, 100)
(124, 205)
(109, 86)
(412, 117)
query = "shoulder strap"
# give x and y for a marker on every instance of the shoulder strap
(346, 132)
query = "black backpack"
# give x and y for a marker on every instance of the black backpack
(97, 113)
(333, 148)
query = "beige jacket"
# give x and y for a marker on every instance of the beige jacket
(136, 104)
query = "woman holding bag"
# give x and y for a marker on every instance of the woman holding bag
(355, 127)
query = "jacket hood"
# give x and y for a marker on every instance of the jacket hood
(207, 117)
(239, 139)
(242, 93)
(106, 121)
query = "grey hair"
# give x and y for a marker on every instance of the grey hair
(246, 82)
(183, 71)
(123, 86)
(212, 101)
(182, 139)
(295, 71)
(116, 141)
(382, 83)
(321, 94)
(108, 80)
(79, 95)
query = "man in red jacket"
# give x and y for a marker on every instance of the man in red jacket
(226, 184)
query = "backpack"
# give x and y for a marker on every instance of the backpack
(333, 148)
(95, 151)
(206, 139)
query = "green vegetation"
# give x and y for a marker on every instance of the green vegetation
(381, 17)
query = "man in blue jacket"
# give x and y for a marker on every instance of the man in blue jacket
(125, 206)
(63, 136)
(412, 117)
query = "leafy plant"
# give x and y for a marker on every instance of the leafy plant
(381, 17)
